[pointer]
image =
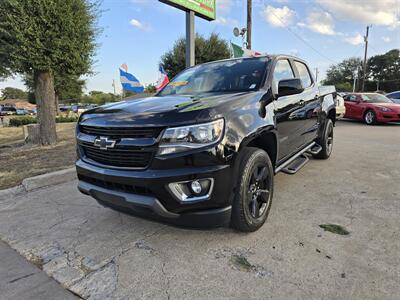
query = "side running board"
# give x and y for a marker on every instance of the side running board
(287, 164)
(315, 149)
(296, 165)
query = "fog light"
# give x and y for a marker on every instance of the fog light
(192, 191)
(196, 187)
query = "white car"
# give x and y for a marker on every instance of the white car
(340, 108)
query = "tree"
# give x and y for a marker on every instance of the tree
(150, 89)
(66, 87)
(13, 93)
(98, 97)
(384, 70)
(47, 37)
(213, 48)
(342, 74)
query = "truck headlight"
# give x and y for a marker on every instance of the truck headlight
(179, 139)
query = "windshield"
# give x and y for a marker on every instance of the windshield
(375, 98)
(237, 75)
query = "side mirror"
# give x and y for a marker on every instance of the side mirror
(288, 87)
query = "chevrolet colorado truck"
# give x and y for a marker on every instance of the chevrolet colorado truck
(204, 150)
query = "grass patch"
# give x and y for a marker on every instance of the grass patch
(337, 229)
(19, 161)
(241, 262)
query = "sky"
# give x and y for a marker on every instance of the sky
(323, 32)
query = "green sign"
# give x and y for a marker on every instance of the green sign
(202, 8)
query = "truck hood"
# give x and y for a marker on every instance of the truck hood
(163, 111)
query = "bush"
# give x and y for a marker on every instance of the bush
(20, 121)
(66, 119)
(25, 120)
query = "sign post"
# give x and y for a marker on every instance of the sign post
(189, 39)
(202, 8)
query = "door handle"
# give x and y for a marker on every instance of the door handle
(302, 102)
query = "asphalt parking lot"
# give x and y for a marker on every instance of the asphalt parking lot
(98, 253)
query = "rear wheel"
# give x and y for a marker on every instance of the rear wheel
(370, 117)
(253, 196)
(326, 141)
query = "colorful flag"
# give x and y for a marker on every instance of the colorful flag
(128, 81)
(237, 51)
(162, 78)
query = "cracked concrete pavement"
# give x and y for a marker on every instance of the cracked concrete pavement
(98, 253)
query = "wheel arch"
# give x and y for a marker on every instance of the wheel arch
(266, 140)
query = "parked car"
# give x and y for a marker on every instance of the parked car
(203, 152)
(394, 96)
(372, 108)
(8, 110)
(22, 111)
(340, 107)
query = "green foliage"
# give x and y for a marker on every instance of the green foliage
(67, 119)
(44, 35)
(20, 121)
(383, 73)
(13, 93)
(343, 72)
(344, 87)
(66, 87)
(25, 120)
(150, 89)
(334, 229)
(213, 48)
(98, 97)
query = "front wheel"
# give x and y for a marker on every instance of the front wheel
(370, 117)
(254, 190)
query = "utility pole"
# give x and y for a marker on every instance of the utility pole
(365, 59)
(113, 84)
(316, 74)
(249, 23)
(190, 39)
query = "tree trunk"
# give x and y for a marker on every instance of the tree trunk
(31, 134)
(56, 107)
(45, 99)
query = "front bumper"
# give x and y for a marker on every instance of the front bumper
(383, 117)
(150, 197)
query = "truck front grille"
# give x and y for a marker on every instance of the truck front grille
(126, 158)
(122, 132)
(119, 156)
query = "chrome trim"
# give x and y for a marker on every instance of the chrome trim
(289, 161)
(182, 199)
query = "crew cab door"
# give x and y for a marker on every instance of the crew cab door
(286, 110)
(311, 104)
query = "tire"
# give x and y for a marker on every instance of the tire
(370, 117)
(254, 190)
(326, 141)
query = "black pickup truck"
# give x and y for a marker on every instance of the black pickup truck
(204, 150)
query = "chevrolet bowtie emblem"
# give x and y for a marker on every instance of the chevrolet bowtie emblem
(104, 143)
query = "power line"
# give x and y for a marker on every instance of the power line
(303, 40)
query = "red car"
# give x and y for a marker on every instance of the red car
(372, 108)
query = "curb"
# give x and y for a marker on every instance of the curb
(49, 179)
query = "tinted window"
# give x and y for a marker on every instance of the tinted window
(224, 76)
(375, 98)
(351, 98)
(283, 70)
(304, 74)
